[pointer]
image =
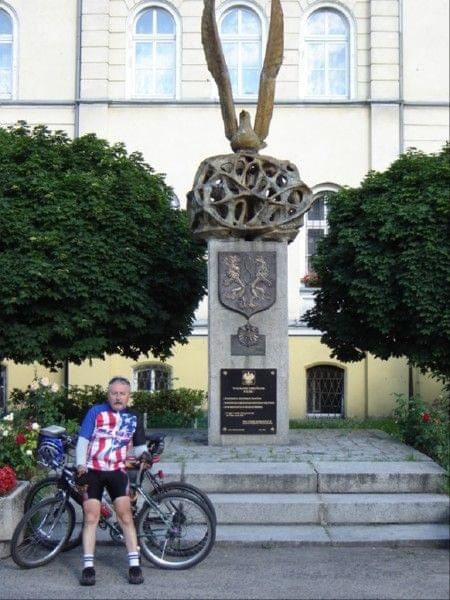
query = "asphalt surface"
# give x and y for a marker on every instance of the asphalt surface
(240, 573)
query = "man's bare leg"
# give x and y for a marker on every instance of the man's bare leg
(91, 510)
(122, 506)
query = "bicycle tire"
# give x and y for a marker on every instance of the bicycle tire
(47, 488)
(177, 533)
(30, 532)
(44, 488)
(182, 486)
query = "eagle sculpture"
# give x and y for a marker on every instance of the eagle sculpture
(244, 137)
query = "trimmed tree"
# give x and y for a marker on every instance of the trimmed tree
(93, 259)
(384, 267)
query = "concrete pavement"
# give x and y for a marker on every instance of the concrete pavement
(241, 573)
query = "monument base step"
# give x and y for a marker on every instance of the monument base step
(341, 509)
(352, 477)
(424, 534)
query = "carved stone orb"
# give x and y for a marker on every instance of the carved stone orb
(248, 196)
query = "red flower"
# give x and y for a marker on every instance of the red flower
(20, 439)
(8, 480)
(425, 417)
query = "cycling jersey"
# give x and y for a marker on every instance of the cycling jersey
(109, 434)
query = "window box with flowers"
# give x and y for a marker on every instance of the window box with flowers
(310, 280)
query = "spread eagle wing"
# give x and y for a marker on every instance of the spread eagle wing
(272, 64)
(218, 67)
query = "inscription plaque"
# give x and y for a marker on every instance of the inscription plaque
(248, 401)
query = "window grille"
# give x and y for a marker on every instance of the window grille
(153, 378)
(325, 391)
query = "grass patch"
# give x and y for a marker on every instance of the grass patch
(386, 424)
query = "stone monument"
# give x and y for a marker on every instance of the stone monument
(247, 207)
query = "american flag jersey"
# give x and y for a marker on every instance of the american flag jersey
(110, 434)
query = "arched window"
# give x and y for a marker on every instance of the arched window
(2, 389)
(154, 51)
(152, 378)
(327, 50)
(325, 391)
(6, 54)
(316, 226)
(240, 33)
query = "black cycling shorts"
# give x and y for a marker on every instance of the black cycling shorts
(116, 482)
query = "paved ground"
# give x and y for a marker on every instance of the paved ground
(246, 573)
(305, 445)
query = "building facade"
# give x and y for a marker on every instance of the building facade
(361, 81)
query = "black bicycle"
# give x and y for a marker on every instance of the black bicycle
(50, 456)
(175, 530)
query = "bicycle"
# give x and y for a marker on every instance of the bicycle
(51, 455)
(174, 529)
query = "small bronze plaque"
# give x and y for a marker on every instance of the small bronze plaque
(248, 401)
(238, 349)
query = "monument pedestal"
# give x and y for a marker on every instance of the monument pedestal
(248, 357)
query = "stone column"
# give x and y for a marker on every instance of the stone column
(271, 323)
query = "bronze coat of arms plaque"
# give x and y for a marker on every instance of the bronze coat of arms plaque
(247, 281)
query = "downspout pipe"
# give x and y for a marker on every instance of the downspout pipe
(401, 103)
(76, 119)
(76, 124)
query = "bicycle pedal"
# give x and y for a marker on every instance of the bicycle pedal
(102, 524)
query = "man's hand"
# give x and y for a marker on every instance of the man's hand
(81, 470)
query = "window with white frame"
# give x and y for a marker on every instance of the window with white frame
(6, 54)
(316, 226)
(327, 49)
(154, 52)
(241, 36)
(152, 378)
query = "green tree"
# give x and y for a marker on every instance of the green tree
(384, 267)
(93, 259)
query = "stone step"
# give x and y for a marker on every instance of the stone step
(409, 534)
(303, 477)
(330, 508)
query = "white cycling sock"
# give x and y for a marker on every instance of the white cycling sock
(88, 560)
(133, 559)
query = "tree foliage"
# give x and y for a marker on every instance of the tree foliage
(384, 267)
(93, 259)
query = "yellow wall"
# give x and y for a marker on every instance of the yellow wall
(20, 376)
(369, 386)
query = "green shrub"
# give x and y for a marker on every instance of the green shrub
(170, 408)
(80, 399)
(41, 402)
(425, 427)
(18, 443)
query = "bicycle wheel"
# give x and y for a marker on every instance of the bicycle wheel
(44, 488)
(48, 488)
(181, 486)
(42, 533)
(176, 532)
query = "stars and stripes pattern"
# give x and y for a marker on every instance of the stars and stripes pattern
(110, 438)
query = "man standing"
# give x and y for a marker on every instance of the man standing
(105, 435)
